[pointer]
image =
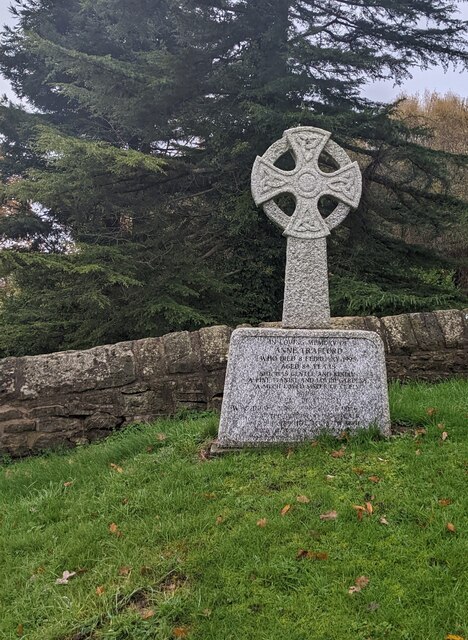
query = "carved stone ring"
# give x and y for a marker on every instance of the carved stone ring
(306, 183)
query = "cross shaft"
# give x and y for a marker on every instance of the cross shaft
(306, 302)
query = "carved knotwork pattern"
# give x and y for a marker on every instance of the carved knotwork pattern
(306, 182)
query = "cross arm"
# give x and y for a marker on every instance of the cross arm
(268, 181)
(307, 143)
(345, 184)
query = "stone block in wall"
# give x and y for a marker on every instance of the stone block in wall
(8, 413)
(15, 445)
(19, 426)
(263, 325)
(119, 367)
(149, 358)
(135, 389)
(59, 424)
(8, 369)
(454, 327)
(399, 333)
(53, 440)
(182, 352)
(156, 401)
(215, 388)
(89, 402)
(214, 344)
(188, 392)
(375, 324)
(49, 410)
(427, 331)
(77, 371)
(349, 322)
(102, 421)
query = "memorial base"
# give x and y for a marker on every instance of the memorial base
(291, 385)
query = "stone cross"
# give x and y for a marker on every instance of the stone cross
(306, 301)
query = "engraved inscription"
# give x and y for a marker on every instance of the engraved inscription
(288, 389)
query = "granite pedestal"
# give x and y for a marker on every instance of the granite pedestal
(291, 385)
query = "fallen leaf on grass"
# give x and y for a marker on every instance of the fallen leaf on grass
(146, 614)
(418, 452)
(441, 426)
(374, 479)
(66, 576)
(303, 499)
(444, 502)
(314, 443)
(339, 453)
(444, 436)
(451, 527)
(285, 509)
(289, 453)
(20, 630)
(161, 437)
(219, 520)
(420, 432)
(262, 522)
(369, 508)
(114, 529)
(210, 496)
(125, 571)
(330, 515)
(359, 584)
(116, 467)
(100, 590)
(451, 636)
(358, 471)
(180, 632)
(67, 484)
(383, 520)
(359, 510)
(431, 411)
(311, 555)
(329, 477)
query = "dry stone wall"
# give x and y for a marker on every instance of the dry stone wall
(73, 397)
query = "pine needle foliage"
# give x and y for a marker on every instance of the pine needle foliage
(147, 117)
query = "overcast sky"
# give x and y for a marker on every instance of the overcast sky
(434, 79)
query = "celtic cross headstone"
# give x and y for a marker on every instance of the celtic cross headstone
(290, 384)
(306, 301)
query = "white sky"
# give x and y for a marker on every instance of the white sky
(434, 79)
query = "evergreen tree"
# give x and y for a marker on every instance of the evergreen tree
(147, 118)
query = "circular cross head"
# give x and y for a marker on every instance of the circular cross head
(306, 182)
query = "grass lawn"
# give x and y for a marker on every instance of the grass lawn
(167, 544)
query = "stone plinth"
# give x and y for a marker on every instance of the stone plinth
(286, 386)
